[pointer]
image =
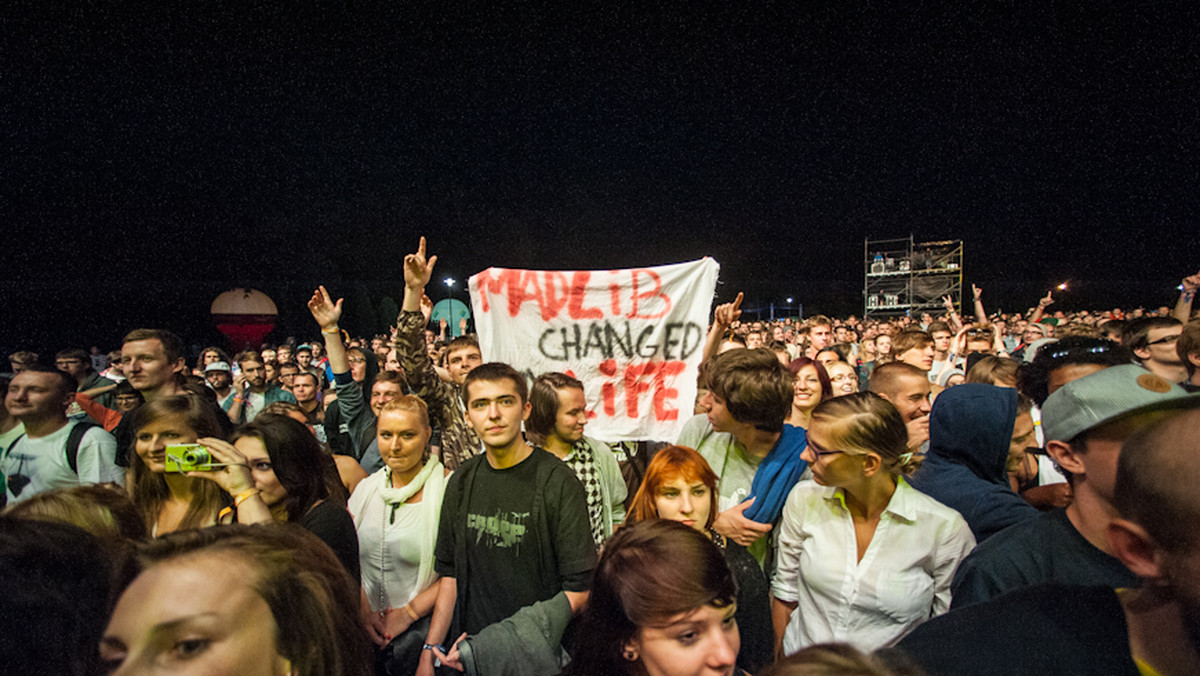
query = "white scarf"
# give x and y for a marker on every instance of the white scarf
(392, 496)
(432, 478)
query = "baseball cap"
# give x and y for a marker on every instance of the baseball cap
(1106, 395)
(217, 366)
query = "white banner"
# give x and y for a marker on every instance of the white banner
(634, 337)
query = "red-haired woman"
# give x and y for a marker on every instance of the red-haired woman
(680, 486)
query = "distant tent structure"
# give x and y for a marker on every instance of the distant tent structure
(245, 316)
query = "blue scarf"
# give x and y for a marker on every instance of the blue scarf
(776, 476)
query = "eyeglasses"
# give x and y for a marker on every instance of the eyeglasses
(818, 452)
(357, 361)
(1165, 340)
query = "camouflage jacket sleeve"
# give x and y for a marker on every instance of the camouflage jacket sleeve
(459, 441)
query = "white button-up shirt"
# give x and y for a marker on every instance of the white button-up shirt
(903, 578)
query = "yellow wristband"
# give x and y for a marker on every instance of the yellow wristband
(245, 495)
(411, 613)
(334, 332)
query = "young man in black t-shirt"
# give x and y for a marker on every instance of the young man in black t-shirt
(514, 526)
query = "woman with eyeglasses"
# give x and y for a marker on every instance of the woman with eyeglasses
(862, 558)
(842, 378)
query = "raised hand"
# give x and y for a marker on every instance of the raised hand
(1191, 283)
(1048, 300)
(326, 312)
(426, 308)
(727, 313)
(976, 292)
(418, 270)
(234, 476)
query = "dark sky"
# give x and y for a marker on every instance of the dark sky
(154, 158)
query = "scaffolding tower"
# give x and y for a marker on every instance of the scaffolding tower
(902, 277)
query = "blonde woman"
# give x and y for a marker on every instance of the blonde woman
(863, 557)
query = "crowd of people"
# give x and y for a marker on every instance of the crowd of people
(1004, 493)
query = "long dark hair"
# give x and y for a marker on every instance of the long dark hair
(650, 573)
(301, 466)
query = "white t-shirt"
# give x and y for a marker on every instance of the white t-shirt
(254, 404)
(35, 466)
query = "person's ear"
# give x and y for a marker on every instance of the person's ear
(1066, 457)
(1135, 548)
(180, 366)
(872, 463)
(526, 410)
(631, 650)
(1142, 353)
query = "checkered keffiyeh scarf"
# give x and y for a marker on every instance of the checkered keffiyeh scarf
(582, 461)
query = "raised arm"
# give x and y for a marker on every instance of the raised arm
(952, 317)
(1041, 308)
(723, 317)
(409, 343)
(417, 272)
(1183, 307)
(980, 315)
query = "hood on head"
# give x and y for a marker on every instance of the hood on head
(972, 425)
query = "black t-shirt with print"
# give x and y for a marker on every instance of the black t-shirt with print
(523, 542)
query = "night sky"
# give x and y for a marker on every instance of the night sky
(156, 157)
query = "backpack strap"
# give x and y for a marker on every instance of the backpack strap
(74, 439)
(13, 445)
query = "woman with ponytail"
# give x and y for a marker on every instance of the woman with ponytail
(863, 557)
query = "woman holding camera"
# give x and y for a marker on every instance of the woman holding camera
(211, 493)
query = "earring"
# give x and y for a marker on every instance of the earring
(630, 654)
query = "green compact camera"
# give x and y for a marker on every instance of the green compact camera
(189, 458)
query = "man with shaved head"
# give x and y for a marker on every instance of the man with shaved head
(908, 388)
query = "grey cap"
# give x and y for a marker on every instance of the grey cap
(217, 366)
(1106, 395)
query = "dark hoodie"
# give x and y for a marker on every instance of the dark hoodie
(970, 429)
